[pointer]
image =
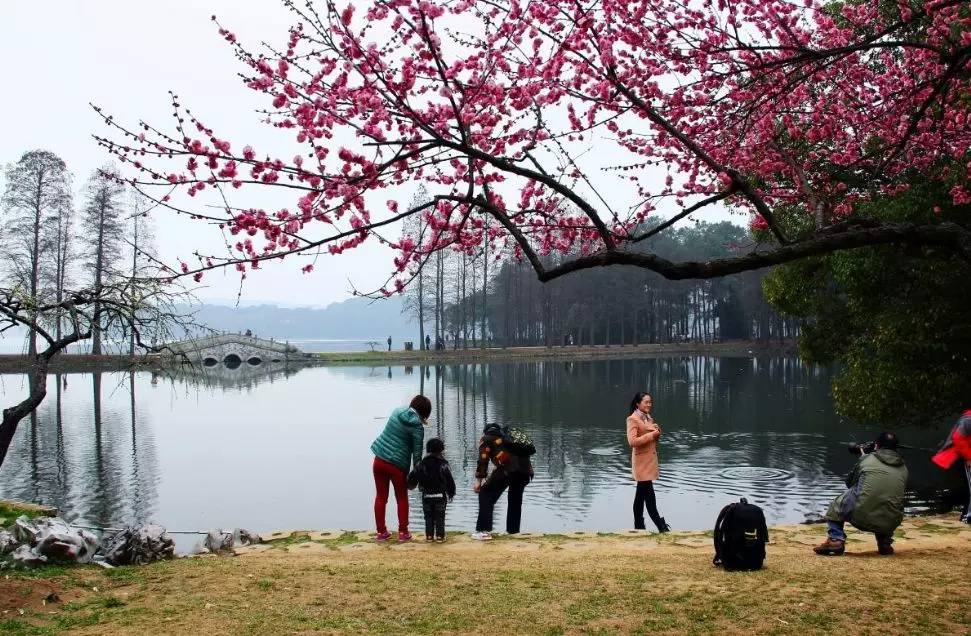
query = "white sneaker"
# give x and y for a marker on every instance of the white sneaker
(481, 536)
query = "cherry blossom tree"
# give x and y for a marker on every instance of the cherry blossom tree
(561, 126)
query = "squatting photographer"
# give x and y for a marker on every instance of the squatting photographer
(874, 499)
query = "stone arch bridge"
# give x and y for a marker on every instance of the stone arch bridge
(235, 350)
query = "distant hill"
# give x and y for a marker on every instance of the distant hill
(352, 319)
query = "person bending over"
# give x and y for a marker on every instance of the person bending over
(511, 471)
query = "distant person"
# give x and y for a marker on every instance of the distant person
(433, 478)
(874, 499)
(428, 342)
(249, 333)
(389, 343)
(511, 471)
(956, 447)
(642, 435)
(396, 449)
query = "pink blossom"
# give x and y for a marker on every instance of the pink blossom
(653, 106)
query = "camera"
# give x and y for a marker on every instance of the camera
(865, 447)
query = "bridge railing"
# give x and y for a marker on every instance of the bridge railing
(206, 342)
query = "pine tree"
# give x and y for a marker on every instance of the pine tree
(416, 228)
(103, 222)
(37, 202)
(141, 248)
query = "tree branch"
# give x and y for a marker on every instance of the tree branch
(848, 235)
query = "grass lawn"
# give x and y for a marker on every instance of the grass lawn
(578, 583)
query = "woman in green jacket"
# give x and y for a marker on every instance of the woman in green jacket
(396, 450)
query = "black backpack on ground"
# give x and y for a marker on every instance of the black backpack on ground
(517, 442)
(740, 537)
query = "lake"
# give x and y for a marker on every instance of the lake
(274, 448)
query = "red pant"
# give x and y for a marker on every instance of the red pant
(385, 473)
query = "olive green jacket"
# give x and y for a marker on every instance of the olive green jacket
(874, 501)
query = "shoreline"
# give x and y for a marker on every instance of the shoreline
(80, 363)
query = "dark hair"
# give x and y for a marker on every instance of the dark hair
(434, 446)
(637, 400)
(422, 405)
(888, 440)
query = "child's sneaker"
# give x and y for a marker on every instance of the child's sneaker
(482, 536)
(429, 539)
(439, 539)
(382, 536)
(404, 536)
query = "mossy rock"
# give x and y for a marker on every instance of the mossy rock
(10, 510)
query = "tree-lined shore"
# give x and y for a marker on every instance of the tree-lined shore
(16, 363)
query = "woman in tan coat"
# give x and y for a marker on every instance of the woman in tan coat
(642, 435)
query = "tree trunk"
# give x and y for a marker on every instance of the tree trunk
(134, 274)
(440, 299)
(98, 275)
(485, 284)
(464, 303)
(421, 308)
(35, 268)
(37, 391)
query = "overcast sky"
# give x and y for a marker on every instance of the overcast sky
(125, 55)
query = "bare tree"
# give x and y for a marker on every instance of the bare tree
(103, 235)
(37, 195)
(414, 229)
(64, 253)
(141, 246)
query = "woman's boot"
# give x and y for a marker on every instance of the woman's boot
(662, 525)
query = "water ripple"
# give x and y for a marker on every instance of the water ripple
(755, 473)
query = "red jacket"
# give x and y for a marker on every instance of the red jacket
(958, 443)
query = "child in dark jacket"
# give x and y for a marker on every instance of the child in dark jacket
(434, 479)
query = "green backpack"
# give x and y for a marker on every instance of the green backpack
(517, 442)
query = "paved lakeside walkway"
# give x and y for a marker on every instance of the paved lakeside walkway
(86, 363)
(631, 583)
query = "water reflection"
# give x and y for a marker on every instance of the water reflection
(229, 376)
(83, 458)
(276, 446)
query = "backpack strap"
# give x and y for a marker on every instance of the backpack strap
(763, 529)
(719, 538)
